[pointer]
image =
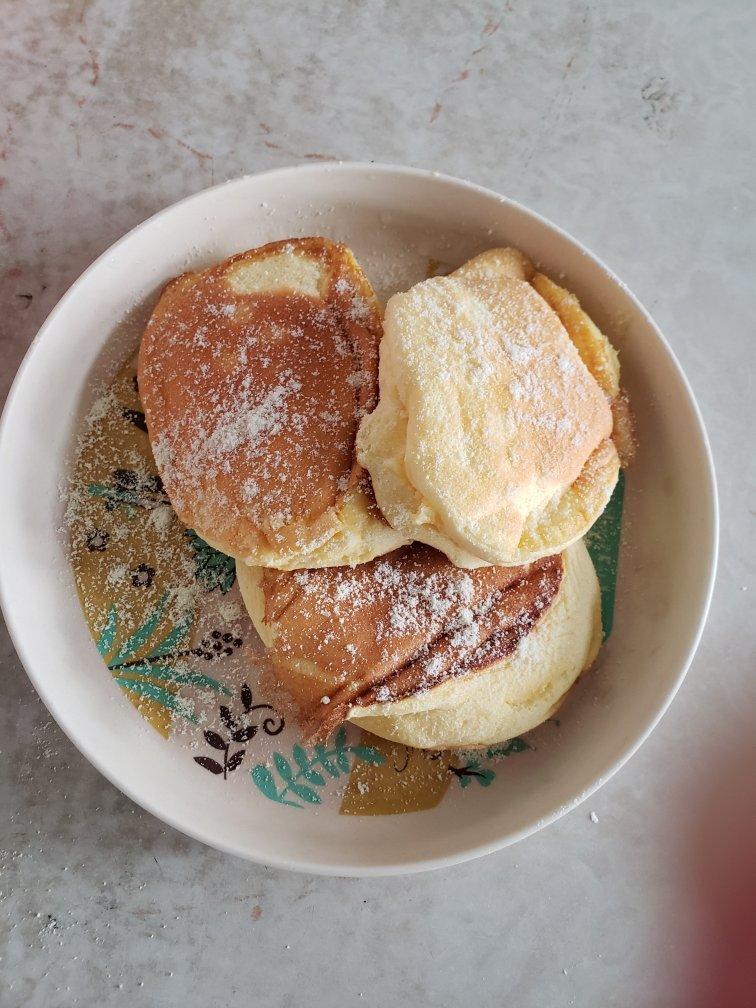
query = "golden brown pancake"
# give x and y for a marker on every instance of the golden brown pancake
(254, 375)
(392, 628)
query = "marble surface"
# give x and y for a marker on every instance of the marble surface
(628, 123)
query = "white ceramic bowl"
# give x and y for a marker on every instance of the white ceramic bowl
(395, 219)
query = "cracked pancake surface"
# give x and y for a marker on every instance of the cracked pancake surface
(391, 642)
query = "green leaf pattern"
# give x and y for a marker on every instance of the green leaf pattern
(603, 543)
(107, 638)
(140, 637)
(474, 769)
(302, 783)
(139, 677)
(211, 567)
(144, 688)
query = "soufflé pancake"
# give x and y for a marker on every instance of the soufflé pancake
(254, 375)
(413, 561)
(416, 650)
(493, 436)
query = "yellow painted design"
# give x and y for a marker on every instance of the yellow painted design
(410, 780)
(138, 540)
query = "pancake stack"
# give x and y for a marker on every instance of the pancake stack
(405, 496)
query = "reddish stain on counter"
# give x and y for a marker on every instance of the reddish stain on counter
(200, 155)
(94, 62)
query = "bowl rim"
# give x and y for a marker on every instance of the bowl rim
(353, 869)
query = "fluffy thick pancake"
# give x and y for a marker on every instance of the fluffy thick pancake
(598, 355)
(512, 695)
(393, 642)
(254, 375)
(492, 438)
(595, 350)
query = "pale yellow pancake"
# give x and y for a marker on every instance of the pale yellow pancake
(492, 438)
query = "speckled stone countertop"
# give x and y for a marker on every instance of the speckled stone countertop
(628, 123)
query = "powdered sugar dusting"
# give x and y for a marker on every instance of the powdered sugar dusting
(483, 354)
(253, 399)
(405, 621)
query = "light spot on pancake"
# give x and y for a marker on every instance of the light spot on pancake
(286, 271)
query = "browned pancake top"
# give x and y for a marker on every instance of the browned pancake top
(397, 625)
(253, 400)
